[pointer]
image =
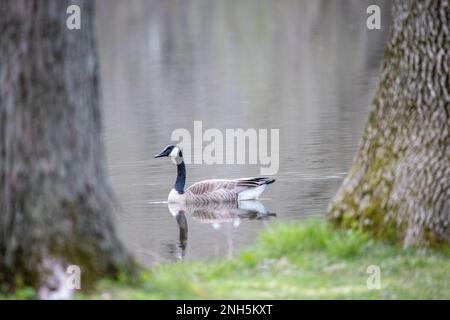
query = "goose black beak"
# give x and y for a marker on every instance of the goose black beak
(161, 154)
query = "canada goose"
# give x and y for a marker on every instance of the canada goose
(214, 190)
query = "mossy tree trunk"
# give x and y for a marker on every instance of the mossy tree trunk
(399, 183)
(56, 204)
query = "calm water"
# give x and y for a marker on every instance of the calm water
(308, 68)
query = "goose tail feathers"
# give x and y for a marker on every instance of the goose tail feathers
(254, 187)
(254, 182)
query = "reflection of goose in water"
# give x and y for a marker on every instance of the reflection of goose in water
(222, 212)
(215, 214)
(214, 190)
(183, 226)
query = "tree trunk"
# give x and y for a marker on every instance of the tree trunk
(56, 202)
(398, 186)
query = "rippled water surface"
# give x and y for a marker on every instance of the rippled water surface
(307, 68)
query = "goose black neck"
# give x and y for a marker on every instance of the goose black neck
(181, 178)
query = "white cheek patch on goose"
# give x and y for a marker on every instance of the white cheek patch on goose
(175, 155)
(174, 152)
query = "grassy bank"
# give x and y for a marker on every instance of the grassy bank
(306, 260)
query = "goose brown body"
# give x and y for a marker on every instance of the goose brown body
(221, 190)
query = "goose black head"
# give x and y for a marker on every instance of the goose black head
(172, 151)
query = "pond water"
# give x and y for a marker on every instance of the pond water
(307, 68)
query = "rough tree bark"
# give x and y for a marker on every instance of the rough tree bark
(398, 186)
(56, 204)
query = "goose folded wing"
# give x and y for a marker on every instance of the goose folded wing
(236, 186)
(208, 186)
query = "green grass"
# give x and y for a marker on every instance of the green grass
(305, 260)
